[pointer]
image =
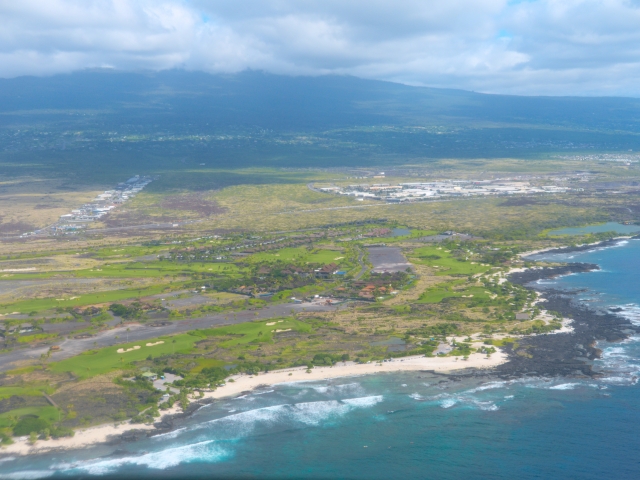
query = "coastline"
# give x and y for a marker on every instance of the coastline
(243, 384)
(569, 354)
(573, 353)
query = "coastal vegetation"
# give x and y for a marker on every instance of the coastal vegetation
(272, 274)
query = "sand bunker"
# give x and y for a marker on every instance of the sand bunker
(154, 344)
(135, 347)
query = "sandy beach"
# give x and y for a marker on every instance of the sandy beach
(244, 383)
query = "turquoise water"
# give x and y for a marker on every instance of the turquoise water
(410, 425)
(400, 232)
(604, 227)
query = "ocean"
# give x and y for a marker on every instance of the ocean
(409, 425)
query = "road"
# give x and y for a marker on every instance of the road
(138, 332)
(363, 267)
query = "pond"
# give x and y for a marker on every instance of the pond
(604, 227)
(400, 232)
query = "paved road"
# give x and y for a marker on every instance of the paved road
(363, 267)
(138, 332)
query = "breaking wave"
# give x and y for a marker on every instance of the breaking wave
(161, 460)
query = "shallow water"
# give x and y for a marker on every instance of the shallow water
(604, 227)
(409, 425)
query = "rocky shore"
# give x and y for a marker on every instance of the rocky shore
(567, 354)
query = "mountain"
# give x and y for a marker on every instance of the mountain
(265, 112)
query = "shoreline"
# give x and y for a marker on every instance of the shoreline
(242, 384)
(549, 354)
(578, 248)
(569, 355)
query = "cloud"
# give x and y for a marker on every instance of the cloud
(555, 47)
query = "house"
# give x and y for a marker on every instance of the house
(150, 376)
(326, 271)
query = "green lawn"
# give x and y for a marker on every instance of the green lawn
(205, 363)
(50, 414)
(439, 292)
(155, 269)
(255, 331)
(129, 250)
(104, 360)
(415, 233)
(41, 304)
(298, 255)
(441, 260)
(6, 392)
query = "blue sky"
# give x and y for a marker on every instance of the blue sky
(548, 47)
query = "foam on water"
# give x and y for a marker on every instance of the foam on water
(308, 413)
(564, 386)
(27, 475)
(363, 402)
(161, 460)
(168, 435)
(448, 402)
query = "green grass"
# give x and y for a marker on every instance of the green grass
(441, 291)
(41, 304)
(132, 250)
(155, 269)
(104, 360)
(205, 363)
(123, 269)
(444, 263)
(6, 392)
(255, 332)
(415, 233)
(298, 255)
(50, 414)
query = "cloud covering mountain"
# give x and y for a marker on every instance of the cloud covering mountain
(557, 47)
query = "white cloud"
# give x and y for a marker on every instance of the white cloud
(527, 47)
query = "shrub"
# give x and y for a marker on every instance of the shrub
(59, 432)
(5, 439)
(26, 425)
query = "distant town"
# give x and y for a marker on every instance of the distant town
(406, 192)
(96, 209)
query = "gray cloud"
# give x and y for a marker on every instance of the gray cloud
(555, 47)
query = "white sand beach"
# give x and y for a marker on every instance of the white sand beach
(243, 383)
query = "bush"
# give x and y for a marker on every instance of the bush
(26, 425)
(5, 439)
(59, 432)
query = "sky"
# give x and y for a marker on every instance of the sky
(529, 47)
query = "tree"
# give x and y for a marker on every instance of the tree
(33, 438)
